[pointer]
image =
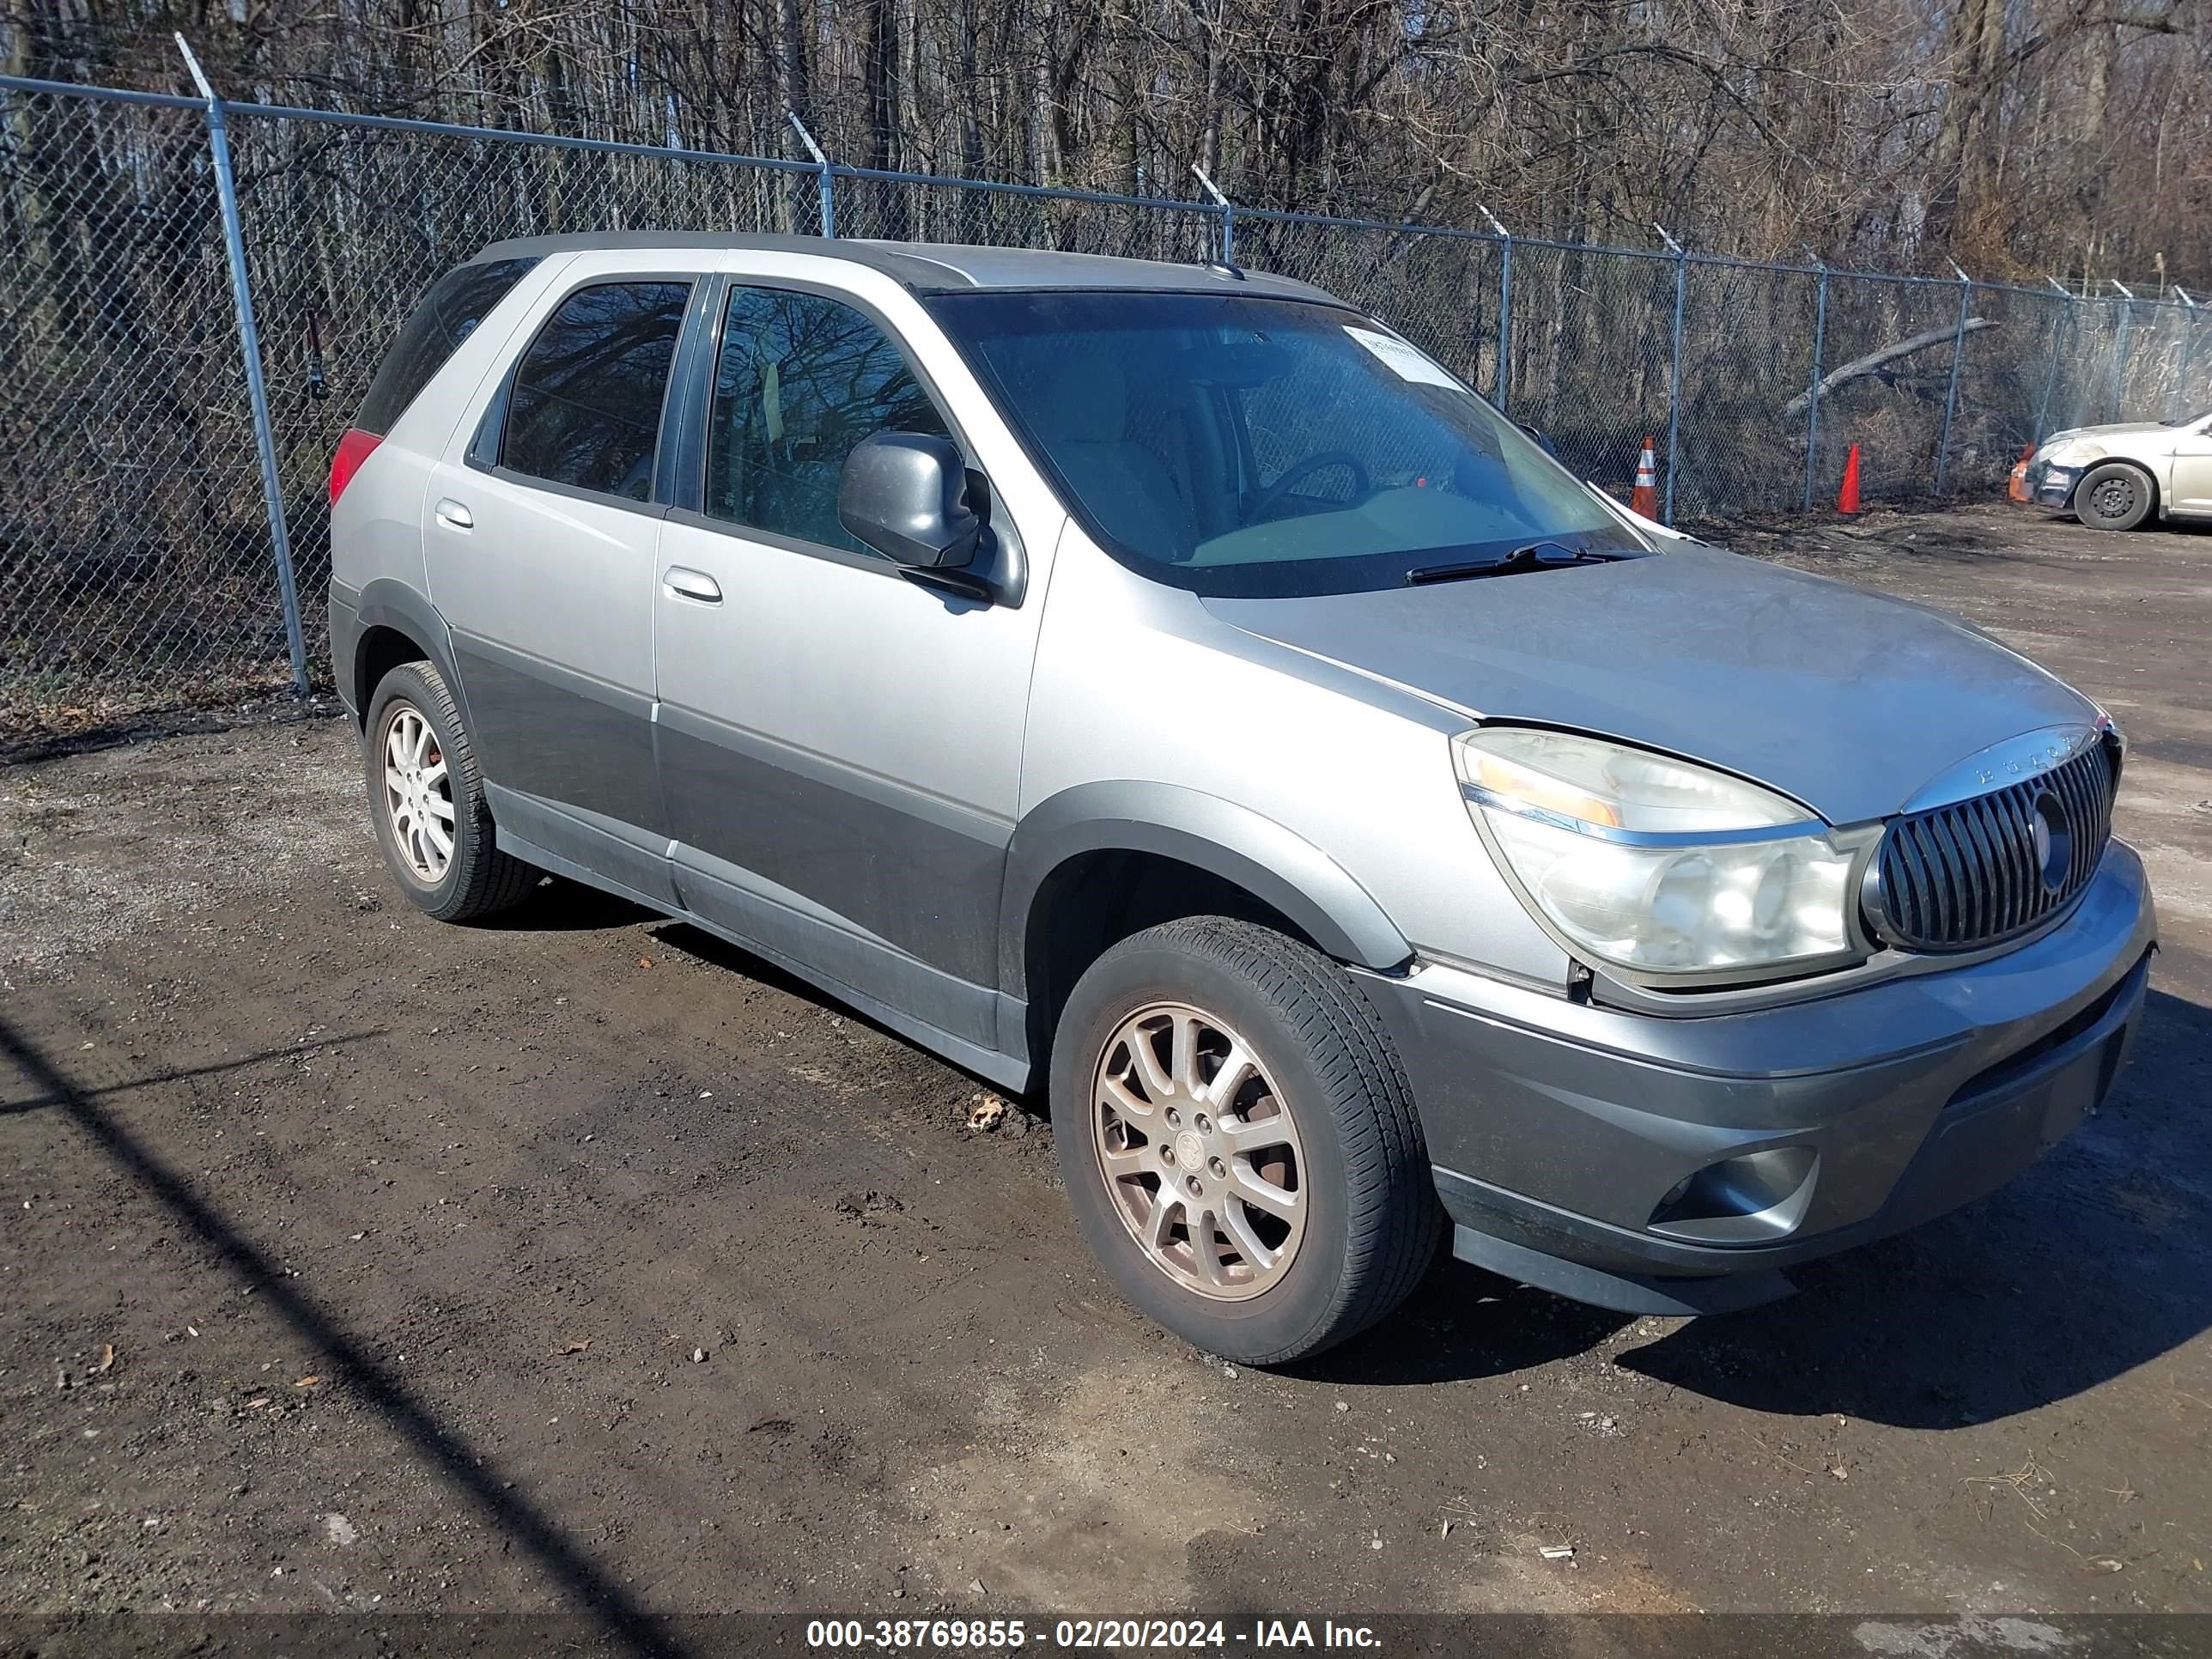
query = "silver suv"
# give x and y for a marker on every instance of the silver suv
(1165, 689)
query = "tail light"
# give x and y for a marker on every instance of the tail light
(355, 447)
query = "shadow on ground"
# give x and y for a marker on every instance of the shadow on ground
(597, 1600)
(557, 905)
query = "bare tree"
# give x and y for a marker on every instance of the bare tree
(2014, 135)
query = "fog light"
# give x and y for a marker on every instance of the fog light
(1752, 1199)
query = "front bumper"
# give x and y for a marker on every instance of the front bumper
(2041, 484)
(1562, 1133)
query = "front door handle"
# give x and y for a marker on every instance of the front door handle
(454, 512)
(686, 584)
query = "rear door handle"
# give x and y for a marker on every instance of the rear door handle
(686, 584)
(451, 512)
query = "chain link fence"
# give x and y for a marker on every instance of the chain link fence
(135, 562)
(139, 543)
(345, 223)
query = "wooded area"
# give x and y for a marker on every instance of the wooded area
(2020, 136)
(137, 533)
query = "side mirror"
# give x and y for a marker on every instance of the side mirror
(1543, 439)
(904, 494)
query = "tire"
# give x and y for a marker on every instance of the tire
(1363, 1221)
(475, 879)
(2114, 496)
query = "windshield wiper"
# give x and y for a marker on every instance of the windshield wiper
(1536, 556)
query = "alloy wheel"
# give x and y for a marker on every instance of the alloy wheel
(1199, 1154)
(418, 794)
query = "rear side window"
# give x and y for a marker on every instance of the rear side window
(446, 316)
(801, 380)
(585, 407)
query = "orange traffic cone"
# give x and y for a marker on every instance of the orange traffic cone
(1847, 498)
(1645, 498)
(2016, 481)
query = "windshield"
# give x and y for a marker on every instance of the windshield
(1254, 447)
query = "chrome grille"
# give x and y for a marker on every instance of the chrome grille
(1977, 872)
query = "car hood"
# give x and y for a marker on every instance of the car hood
(1844, 700)
(2138, 437)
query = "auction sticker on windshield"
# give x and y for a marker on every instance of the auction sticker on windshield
(1403, 360)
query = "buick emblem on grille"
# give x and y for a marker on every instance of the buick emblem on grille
(2053, 841)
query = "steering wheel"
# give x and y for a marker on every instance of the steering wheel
(1299, 472)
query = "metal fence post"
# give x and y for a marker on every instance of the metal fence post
(2120, 351)
(1813, 396)
(1674, 372)
(2058, 338)
(2179, 405)
(824, 188)
(1228, 216)
(1502, 390)
(257, 389)
(1951, 393)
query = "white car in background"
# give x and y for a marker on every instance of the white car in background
(2114, 477)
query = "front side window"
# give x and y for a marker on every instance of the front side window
(585, 407)
(1248, 446)
(800, 380)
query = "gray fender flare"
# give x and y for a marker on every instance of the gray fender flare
(388, 604)
(1220, 836)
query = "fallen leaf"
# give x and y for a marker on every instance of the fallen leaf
(253, 1405)
(306, 1382)
(987, 1112)
(645, 962)
(568, 1348)
(107, 1358)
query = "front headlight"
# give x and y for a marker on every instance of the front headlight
(2072, 453)
(1655, 864)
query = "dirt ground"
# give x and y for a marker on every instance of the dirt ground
(580, 1263)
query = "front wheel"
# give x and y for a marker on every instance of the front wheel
(1238, 1140)
(2114, 496)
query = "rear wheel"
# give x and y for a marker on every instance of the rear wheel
(2114, 496)
(1238, 1140)
(426, 797)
